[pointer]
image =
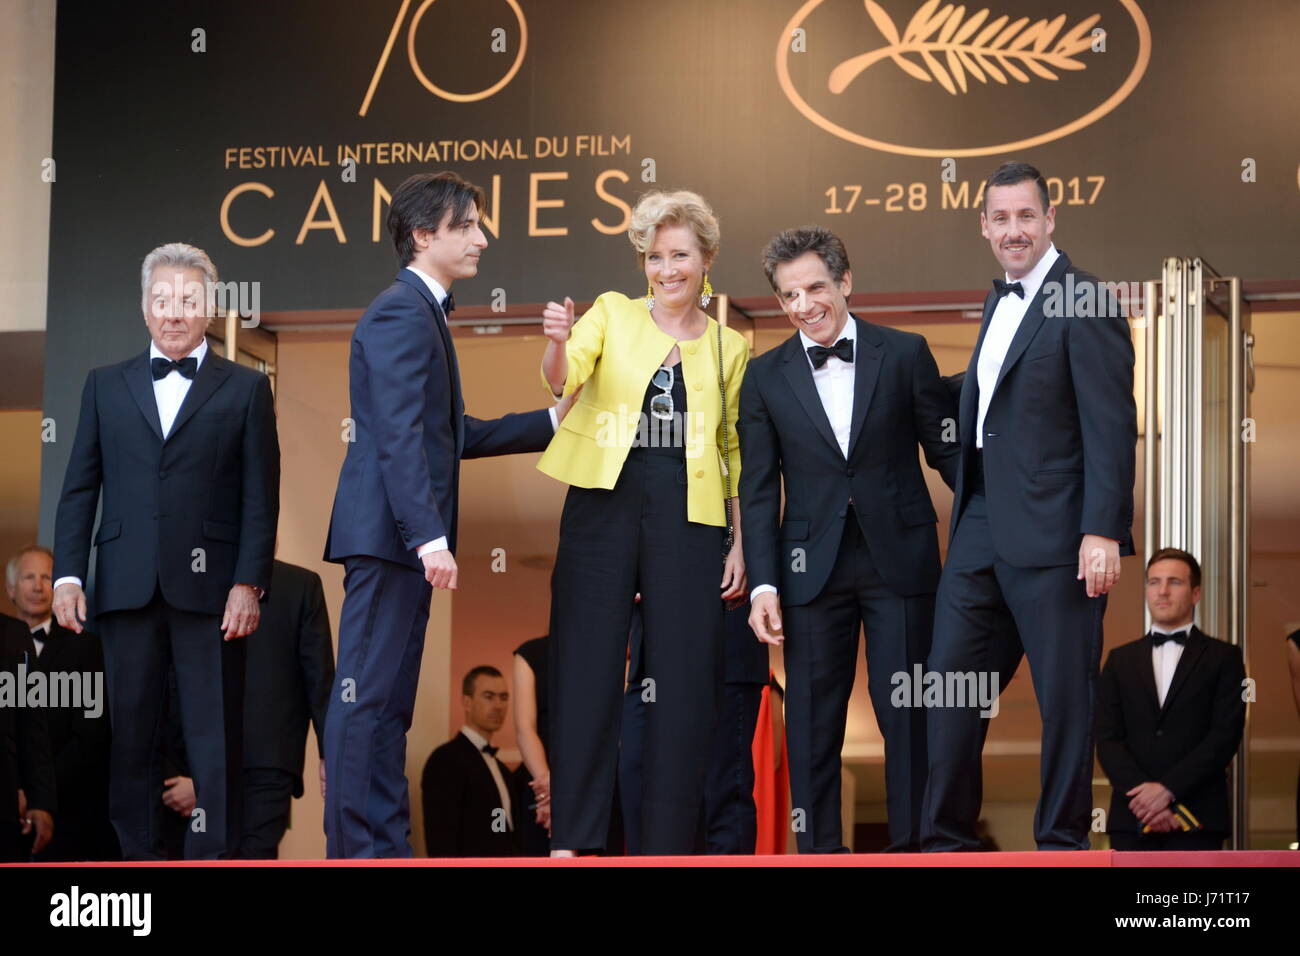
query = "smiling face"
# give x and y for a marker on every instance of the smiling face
(675, 266)
(175, 309)
(813, 301)
(1016, 226)
(1170, 594)
(486, 710)
(452, 252)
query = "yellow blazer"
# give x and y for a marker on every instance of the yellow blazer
(614, 350)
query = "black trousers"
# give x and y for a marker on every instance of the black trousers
(821, 648)
(268, 796)
(730, 816)
(139, 647)
(1193, 840)
(987, 615)
(614, 543)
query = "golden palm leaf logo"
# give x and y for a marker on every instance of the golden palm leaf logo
(946, 47)
(1002, 48)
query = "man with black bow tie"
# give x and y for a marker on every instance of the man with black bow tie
(78, 730)
(1042, 512)
(181, 445)
(836, 414)
(393, 526)
(1170, 717)
(467, 806)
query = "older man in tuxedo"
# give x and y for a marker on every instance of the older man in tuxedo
(836, 415)
(393, 526)
(1042, 512)
(78, 729)
(27, 788)
(180, 447)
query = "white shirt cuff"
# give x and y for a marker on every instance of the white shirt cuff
(68, 580)
(555, 420)
(762, 589)
(437, 544)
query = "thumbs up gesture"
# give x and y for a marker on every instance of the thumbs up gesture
(557, 320)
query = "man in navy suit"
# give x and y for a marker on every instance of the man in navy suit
(1043, 510)
(835, 415)
(393, 525)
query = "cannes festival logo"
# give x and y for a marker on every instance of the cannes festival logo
(944, 47)
(418, 70)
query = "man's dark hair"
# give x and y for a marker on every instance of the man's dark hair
(1008, 174)
(423, 201)
(1177, 554)
(483, 670)
(793, 243)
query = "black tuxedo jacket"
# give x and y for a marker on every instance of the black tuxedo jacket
(80, 745)
(400, 482)
(785, 434)
(26, 761)
(1188, 743)
(290, 670)
(1060, 436)
(460, 797)
(213, 484)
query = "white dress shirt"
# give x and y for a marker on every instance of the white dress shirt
(170, 390)
(834, 381)
(1006, 319)
(169, 393)
(479, 742)
(1164, 659)
(440, 296)
(42, 629)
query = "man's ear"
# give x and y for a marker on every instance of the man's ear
(846, 283)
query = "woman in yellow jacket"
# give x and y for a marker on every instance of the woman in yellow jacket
(650, 465)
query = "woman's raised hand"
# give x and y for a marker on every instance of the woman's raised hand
(557, 320)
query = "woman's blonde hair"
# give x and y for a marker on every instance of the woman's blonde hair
(680, 208)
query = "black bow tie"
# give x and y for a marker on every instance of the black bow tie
(1002, 288)
(1179, 637)
(448, 304)
(843, 350)
(163, 367)
(489, 750)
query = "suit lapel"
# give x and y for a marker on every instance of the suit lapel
(967, 406)
(439, 319)
(870, 351)
(212, 374)
(453, 368)
(1147, 675)
(51, 658)
(798, 372)
(1033, 319)
(139, 382)
(1192, 652)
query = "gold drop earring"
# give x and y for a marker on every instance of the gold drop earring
(649, 295)
(706, 293)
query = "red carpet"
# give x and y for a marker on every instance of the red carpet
(1092, 858)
